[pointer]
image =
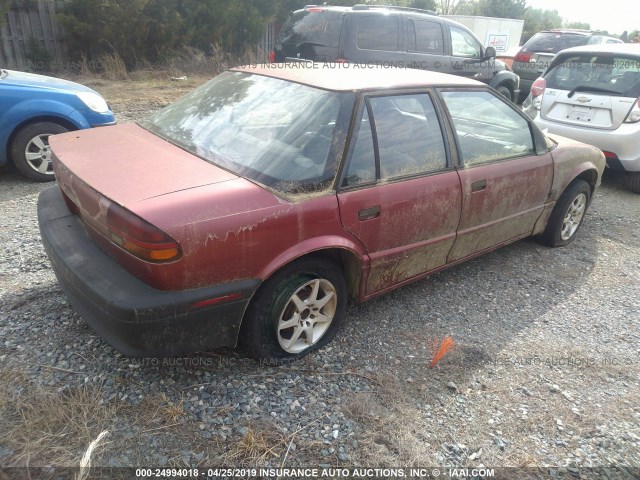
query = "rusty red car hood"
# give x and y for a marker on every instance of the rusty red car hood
(127, 164)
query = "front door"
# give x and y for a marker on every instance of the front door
(505, 184)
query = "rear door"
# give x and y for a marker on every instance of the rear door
(505, 184)
(400, 195)
(426, 45)
(591, 90)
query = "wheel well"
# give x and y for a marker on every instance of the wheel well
(46, 118)
(350, 264)
(589, 176)
(346, 260)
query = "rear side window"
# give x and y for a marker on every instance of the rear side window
(317, 28)
(379, 32)
(409, 140)
(425, 37)
(553, 42)
(616, 75)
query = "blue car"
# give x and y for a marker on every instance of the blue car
(33, 107)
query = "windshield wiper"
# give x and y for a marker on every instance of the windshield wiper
(587, 88)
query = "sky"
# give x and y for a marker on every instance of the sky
(615, 16)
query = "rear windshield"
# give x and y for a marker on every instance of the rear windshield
(553, 42)
(318, 28)
(272, 131)
(618, 74)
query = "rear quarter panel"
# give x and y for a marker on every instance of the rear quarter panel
(237, 231)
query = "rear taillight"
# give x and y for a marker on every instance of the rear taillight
(272, 56)
(522, 56)
(139, 237)
(537, 88)
(610, 155)
(634, 113)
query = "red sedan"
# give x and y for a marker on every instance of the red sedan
(255, 207)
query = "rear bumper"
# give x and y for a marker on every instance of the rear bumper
(624, 141)
(133, 317)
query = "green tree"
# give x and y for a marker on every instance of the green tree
(498, 8)
(537, 19)
(578, 25)
(452, 7)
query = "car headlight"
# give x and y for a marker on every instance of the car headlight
(94, 101)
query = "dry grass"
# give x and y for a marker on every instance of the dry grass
(171, 411)
(113, 67)
(266, 442)
(260, 443)
(43, 427)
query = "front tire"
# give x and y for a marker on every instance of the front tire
(295, 312)
(505, 92)
(568, 215)
(30, 150)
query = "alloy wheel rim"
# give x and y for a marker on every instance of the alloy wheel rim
(573, 217)
(38, 154)
(307, 315)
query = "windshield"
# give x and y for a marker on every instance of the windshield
(612, 74)
(553, 42)
(272, 131)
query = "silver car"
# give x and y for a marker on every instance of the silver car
(591, 94)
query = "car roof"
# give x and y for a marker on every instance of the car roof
(351, 77)
(616, 48)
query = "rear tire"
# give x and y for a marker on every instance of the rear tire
(30, 150)
(568, 215)
(295, 312)
(632, 182)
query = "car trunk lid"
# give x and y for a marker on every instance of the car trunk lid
(584, 108)
(141, 165)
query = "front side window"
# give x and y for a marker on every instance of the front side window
(409, 140)
(487, 128)
(272, 131)
(378, 32)
(463, 44)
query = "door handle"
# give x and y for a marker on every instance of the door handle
(478, 185)
(369, 213)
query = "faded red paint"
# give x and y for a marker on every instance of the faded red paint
(230, 228)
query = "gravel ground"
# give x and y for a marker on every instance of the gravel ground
(545, 372)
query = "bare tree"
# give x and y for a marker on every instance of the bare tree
(450, 7)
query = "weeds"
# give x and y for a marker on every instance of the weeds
(43, 427)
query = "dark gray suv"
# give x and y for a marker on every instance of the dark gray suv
(393, 36)
(534, 57)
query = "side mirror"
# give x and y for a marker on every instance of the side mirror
(489, 52)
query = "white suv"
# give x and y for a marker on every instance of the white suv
(592, 94)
